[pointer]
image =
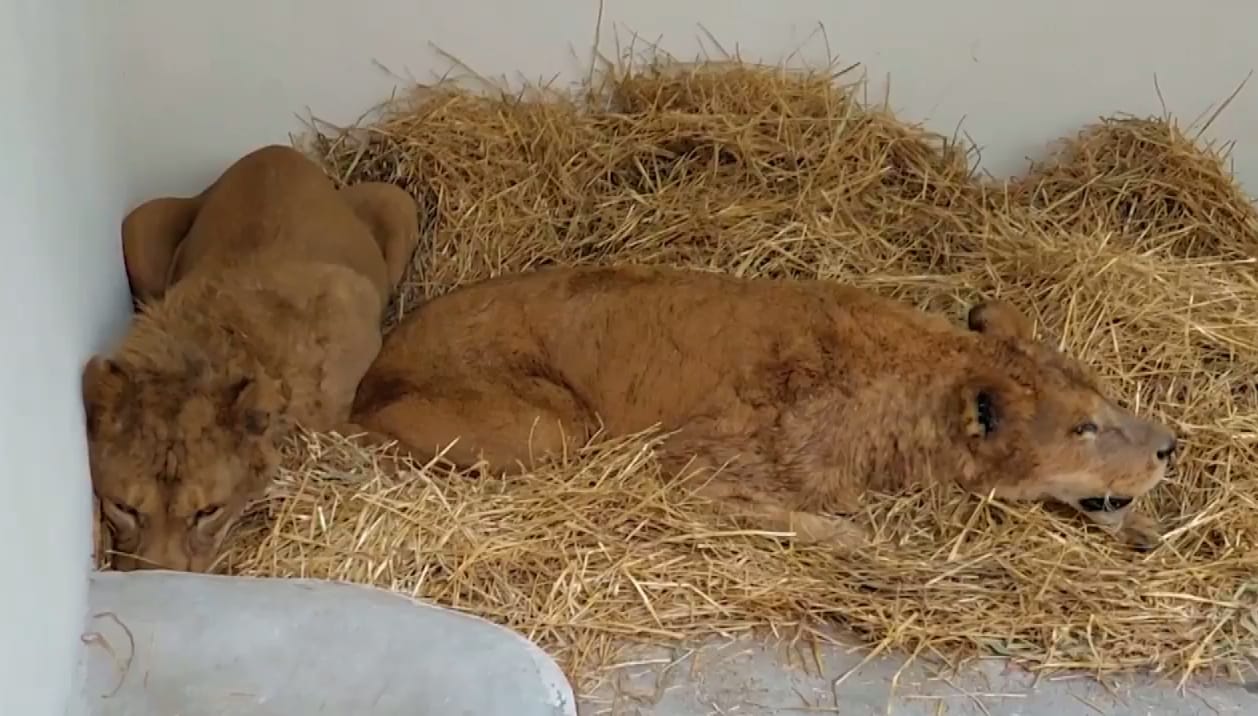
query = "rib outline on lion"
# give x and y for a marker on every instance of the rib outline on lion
(260, 308)
(804, 393)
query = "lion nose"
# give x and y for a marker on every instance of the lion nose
(1167, 449)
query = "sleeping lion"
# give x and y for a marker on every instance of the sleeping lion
(261, 305)
(796, 396)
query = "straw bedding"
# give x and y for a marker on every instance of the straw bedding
(1130, 245)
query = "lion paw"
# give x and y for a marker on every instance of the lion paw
(833, 531)
(1140, 532)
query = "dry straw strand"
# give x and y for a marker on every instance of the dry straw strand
(1131, 246)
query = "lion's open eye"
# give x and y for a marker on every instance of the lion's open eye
(1085, 428)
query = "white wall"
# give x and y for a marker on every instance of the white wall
(207, 81)
(64, 295)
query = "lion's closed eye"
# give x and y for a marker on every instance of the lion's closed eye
(122, 515)
(207, 515)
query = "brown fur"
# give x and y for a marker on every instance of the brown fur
(262, 300)
(807, 392)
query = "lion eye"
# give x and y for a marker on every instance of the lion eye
(1087, 428)
(208, 513)
(118, 512)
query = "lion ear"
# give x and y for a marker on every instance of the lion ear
(1000, 319)
(981, 405)
(392, 216)
(252, 404)
(104, 382)
(151, 233)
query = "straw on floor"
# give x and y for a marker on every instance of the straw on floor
(1131, 246)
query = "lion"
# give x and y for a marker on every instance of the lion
(260, 304)
(794, 397)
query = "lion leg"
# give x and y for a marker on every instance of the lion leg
(767, 512)
(362, 436)
(348, 310)
(496, 428)
(390, 461)
(746, 485)
(505, 438)
(813, 529)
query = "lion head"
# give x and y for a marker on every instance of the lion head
(175, 457)
(1037, 427)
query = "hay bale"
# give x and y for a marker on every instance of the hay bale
(720, 167)
(1144, 178)
(758, 171)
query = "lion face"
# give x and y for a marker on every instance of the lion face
(175, 459)
(1039, 428)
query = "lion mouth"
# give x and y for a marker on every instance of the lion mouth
(1104, 504)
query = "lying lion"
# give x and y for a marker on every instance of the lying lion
(261, 306)
(805, 393)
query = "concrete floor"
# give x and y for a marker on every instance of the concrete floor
(166, 644)
(174, 644)
(750, 677)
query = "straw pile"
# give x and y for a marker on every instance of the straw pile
(1145, 178)
(1129, 246)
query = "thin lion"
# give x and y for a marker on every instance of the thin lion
(804, 393)
(261, 302)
